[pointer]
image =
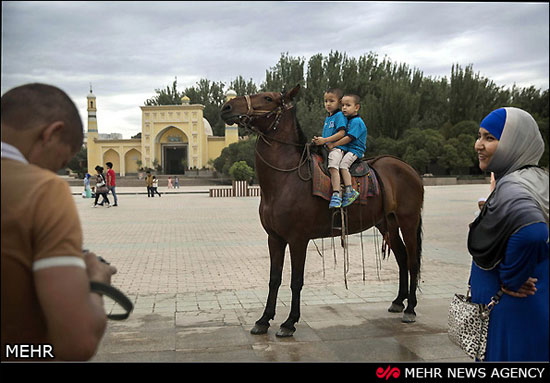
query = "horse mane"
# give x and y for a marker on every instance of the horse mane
(302, 139)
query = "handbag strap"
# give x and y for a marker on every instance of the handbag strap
(495, 299)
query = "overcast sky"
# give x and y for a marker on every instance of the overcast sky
(129, 49)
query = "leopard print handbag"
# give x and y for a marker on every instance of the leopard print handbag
(468, 324)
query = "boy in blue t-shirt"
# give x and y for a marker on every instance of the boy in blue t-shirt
(347, 150)
(333, 130)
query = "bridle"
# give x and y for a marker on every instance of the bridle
(247, 120)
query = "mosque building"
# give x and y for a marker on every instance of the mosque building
(174, 137)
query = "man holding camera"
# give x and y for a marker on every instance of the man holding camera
(46, 297)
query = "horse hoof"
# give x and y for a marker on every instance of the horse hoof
(284, 332)
(395, 308)
(259, 329)
(409, 318)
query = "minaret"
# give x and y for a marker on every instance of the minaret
(93, 156)
(92, 109)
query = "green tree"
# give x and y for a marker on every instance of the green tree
(457, 157)
(418, 159)
(212, 96)
(316, 82)
(383, 145)
(168, 96)
(243, 87)
(240, 171)
(79, 163)
(238, 151)
(469, 128)
(286, 74)
(472, 97)
(433, 104)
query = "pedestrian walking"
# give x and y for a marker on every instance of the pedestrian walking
(111, 183)
(101, 187)
(149, 183)
(155, 186)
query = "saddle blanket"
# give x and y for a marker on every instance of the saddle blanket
(367, 185)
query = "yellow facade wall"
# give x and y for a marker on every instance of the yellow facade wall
(165, 125)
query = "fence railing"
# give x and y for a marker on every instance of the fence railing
(238, 189)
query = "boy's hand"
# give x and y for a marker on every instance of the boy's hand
(330, 145)
(318, 140)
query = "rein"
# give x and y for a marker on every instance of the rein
(252, 114)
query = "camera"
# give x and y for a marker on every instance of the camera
(99, 258)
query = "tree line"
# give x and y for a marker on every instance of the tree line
(431, 123)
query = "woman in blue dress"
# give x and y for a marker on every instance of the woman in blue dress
(508, 241)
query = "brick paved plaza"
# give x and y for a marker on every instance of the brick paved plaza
(197, 269)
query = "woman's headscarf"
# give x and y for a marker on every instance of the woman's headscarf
(520, 197)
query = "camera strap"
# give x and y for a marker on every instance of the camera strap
(116, 295)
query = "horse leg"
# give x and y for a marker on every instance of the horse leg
(411, 236)
(297, 259)
(400, 253)
(277, 255)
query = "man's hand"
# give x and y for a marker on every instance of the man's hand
(98, 271)
(528, 288)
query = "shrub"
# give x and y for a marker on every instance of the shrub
(240, 171)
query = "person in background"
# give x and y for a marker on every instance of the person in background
(87, 190)
(155, 186)
(508, 241)
(149, 183)
(101, 188)
(46, 297)
(111, 183)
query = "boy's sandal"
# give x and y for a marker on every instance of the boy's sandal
(335, 202)
(350, 198)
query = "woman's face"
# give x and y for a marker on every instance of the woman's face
(485, 146)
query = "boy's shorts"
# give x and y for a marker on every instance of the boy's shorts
(338, 159)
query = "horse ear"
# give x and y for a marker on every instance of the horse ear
(289, 96)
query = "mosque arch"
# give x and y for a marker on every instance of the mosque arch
(111, 155)
(172, 149)
(130, 161)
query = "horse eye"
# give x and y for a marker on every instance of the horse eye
(268, 98)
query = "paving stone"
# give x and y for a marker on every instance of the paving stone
(197, 270)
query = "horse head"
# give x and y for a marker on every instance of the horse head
(261, 112)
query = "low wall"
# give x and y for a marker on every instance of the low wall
(445, 181)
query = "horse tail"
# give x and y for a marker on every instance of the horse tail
(419, 247)
(385, 244)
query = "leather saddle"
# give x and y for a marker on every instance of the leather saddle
(364, 178)
(359, 168)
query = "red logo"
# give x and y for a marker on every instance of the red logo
(388, 372)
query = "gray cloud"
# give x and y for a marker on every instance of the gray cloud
(128, 49)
